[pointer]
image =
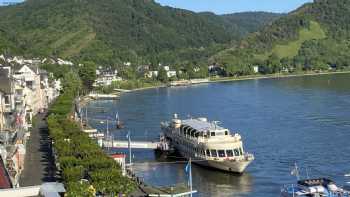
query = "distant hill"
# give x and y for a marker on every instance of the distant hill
(113, 31)
(251, 21)
(315, 36)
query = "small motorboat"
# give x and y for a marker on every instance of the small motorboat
(320, 187)
(317, 187)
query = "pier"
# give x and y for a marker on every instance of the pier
(133, 144)
(104, 96)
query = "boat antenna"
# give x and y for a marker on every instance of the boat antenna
(216, 123)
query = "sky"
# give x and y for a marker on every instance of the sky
(232, 6)
(5, 2)
(227, 6)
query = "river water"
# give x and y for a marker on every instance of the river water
(282, 121)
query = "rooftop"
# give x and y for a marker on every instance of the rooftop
(201, 125)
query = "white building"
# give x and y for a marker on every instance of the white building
(7, 104)
(64, 62)
(106, 77)
(35, 98)
(166, 68)
(256, 69)
(152, 74)
(171, 73)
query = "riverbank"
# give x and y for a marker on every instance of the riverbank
(248, 77)
(273, 76)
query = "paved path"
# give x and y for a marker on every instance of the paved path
(39, 163)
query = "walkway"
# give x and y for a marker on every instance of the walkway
(39, 166)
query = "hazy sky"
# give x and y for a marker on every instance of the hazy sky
(227, 6)
(231, 6)
(2, 2)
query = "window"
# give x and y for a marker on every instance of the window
(29, 84)
(188, 131)
(229, 153)
(226, 132)
(213, 153)
(7, 100)
(221, 153)
(212, 134)
(192, 132)
(208, 152)
(241, 151)
(196, 135)
(236, 152)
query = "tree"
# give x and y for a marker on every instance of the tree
(162, 75)
(87, 73)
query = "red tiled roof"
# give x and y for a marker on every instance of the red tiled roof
(5, 182)
(118, 156)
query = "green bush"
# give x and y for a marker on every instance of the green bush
(79, 156)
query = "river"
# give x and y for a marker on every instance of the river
(282, 121)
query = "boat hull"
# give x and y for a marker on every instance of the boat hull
(227, 166)
(233, 166)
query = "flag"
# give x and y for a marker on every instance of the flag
(117, 117)
(187, 168)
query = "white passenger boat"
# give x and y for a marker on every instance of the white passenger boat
(207, 144)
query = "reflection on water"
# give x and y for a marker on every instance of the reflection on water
(282, 121)
(208, 182)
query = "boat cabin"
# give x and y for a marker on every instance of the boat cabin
(227, 146)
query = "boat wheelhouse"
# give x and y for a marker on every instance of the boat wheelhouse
(207, 143)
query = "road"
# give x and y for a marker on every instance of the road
(39, 163)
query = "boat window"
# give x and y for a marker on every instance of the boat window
(236, 152)
(212, 133)
(229, 153)
(241, 151)
(189, 131)
(213, 153)
(187, 128)
(221, 153)
(208, 152)
(193, 132)
(226, 132)
(183, 129)
(196, 134)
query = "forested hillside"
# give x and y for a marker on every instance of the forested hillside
(249, 22)
(113, 31)
(316, 36)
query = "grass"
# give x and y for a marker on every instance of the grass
(292, 48)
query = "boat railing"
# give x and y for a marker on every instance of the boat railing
(248, 156)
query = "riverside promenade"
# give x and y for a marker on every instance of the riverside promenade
(39, 166)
